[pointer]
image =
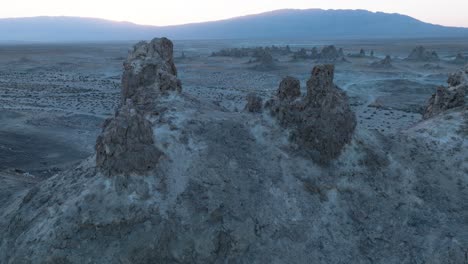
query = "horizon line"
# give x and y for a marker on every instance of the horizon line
(222, 19)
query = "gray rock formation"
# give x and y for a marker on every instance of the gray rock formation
(126, 144)
(330, 54)
(265, 62)
(446, 98)
(231, 189)
(362, 53)
(149, 72)
(421, 54)
(386, 63)
(322, 122)
(289, 88)
(254, 103)
(460, 59)
(302, 54)
(459, 78)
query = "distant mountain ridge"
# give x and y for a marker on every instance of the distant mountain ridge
(280, 24)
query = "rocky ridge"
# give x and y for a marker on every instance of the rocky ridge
(231, 187)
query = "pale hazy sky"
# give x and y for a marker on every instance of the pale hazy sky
(168, 12)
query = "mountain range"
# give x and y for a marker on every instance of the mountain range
(280, 24)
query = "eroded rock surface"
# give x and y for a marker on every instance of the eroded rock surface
(289, 88)
(231, 189)
(446, 98)
(421, 54)
(330, 54)
(254, 103)
(264, 62)
(149, 72)
(385, 63)
(126, 144)
(322, 122)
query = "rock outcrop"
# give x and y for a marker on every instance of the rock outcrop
(446, 98)
(385, 63)
(322, 122)
(330, 54)
(421, 54)
(289, 88)
(264, 62)
(231, 189)
(149, 72)
(254, 103)
(126, 144)
(361, 54)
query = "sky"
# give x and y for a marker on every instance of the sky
(172, 12)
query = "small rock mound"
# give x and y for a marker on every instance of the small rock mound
(322, 122)
(149, 72)
(254, 103)
(421, 54)
(446, 98)
(385, 63)
(126, 144)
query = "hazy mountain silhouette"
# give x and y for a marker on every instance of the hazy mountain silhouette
(297, 24)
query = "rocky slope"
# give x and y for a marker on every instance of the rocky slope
(235, 187)
(446, 98)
